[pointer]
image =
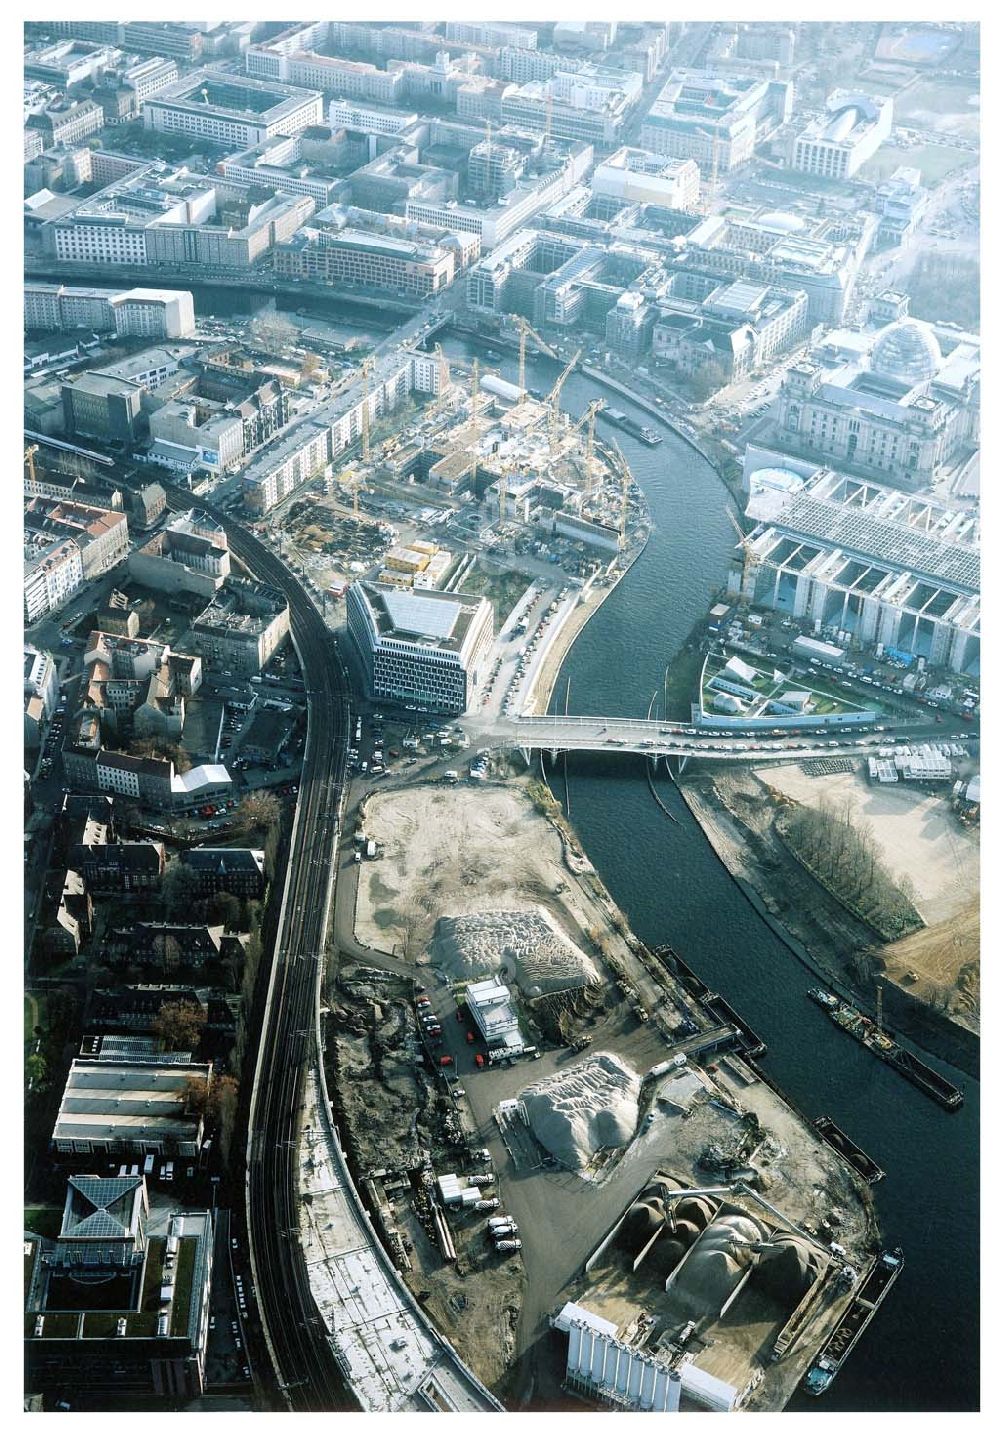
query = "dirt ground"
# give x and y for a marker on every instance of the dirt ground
(447, 851)
(940, 965)
(917, 833)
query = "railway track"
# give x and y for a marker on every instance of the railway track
(305, 1370)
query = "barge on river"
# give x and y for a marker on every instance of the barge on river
(862, 1164)
(623, 421)
(866, 1302)
(884, 1046)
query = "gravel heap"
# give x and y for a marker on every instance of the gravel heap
(526, 943)
(591, 1106)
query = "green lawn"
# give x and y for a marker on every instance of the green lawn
(46, 1221)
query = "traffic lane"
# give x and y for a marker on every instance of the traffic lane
(226, 1363)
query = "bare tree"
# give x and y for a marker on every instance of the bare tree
(180, 1024)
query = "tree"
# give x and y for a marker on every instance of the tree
(258, 810)
(706, 380)
(180, 1025)
(194, 1096)
(223, 1104)
(36, 1070)
(161, 748)
(179, 890)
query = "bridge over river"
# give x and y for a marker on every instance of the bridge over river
(557, 733)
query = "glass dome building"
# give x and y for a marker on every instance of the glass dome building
(907, 351)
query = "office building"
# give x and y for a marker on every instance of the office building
(67, 122)
(566, 166)
(586, 104)
(135, 313)
(714, 119)
(836, 144)
(638, 178)
(734, 330)
(491, 34)
(426, 648)
(874, 563)
(53, 572)
(898, 409)
(111, 1309)
(231, 110)
(900, 201)
(371, 260)
(70, 62)
(191, 554)
(245, 624)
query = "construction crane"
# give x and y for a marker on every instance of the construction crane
(351, 479)
(626, 481)
(444, 370)
(366, 446)
(752, 561)
(553, 400)
(475, 422)
(525, 329)
(29, 461)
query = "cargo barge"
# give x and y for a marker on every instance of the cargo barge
(884, 1046)
(751, 1044)
(622, 421)
(862, 1164)
(866, 1302)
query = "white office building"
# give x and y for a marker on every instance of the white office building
(426, 648)
(837, 143)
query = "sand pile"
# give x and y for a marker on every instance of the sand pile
(525, 943)
(593, 1105)
(718, 1263)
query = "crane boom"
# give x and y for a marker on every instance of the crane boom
(554, 394)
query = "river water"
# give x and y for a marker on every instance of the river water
(921, 1352)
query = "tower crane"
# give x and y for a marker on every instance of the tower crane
(351, 479)
(475, 422)
(525, 329)
(553, 400)
(366, 447)
(752, 561)
(626, 481)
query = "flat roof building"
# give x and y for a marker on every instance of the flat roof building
(118, 1302)
(714, 118)
(242, 627)
(132, 1108)
(231, 109)
(424, 647)
(837, 143)
(885, 566)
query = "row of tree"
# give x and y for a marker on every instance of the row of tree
(843, 853)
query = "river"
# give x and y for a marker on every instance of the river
(922, 1351)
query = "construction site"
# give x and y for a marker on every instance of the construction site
(485, 476)
(563, 1137)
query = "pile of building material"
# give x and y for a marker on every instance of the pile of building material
(592, 1106)
(526, 944)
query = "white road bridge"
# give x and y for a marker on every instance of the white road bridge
(556, 733)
